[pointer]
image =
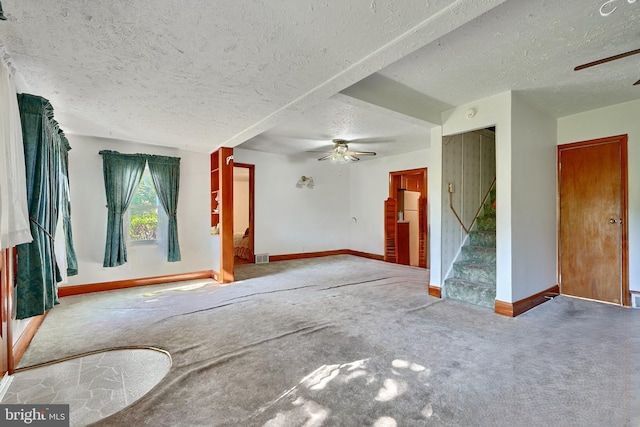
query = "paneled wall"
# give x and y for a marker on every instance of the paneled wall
(469, 164)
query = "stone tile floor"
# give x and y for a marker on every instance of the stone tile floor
(95, 386)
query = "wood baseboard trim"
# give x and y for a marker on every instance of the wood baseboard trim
(25, 339)
(66, 291)
(303, 255)
(435, 291)
(513, 309)
(365, 255)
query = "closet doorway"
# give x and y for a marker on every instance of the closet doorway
(243, 213)
(593, 228)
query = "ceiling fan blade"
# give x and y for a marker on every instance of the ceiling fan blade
(352, 157)
(637, 83)
(362, 153)
(605, 60)
(381, 140)
(325, 157)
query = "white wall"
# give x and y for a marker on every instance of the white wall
(525, 184)
(610, 121)
(368, 189)
(89, 214)
(294, 220)
(533, 200)
(435, 207)
(492, 111)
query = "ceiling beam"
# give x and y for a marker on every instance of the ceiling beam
(393, 96)
(442, 22)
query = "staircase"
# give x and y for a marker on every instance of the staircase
(474, 276)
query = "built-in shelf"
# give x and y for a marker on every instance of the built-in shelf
(222, 212)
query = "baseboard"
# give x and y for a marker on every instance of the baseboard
(365, 255)
(303, 255)
(66, 291)
(435, 291)
(513, 309)
(635, 299)
(25, 339)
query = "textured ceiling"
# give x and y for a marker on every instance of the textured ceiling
(310, 133)
(286, 74)
(532, 47)
(201, 74)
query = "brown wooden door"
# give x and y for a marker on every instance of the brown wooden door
(592, 192)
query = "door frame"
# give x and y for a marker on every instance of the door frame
(624, 190)
(252, 204)
(395, 179)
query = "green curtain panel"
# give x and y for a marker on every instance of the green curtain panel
(122, 173)
(37, 273)
(165, 172)
(72, 261)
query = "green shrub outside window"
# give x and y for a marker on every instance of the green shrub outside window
(143, 211)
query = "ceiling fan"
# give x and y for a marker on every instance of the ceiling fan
(341, 153)
(609, 59)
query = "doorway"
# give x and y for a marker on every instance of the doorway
(406, 218)
(243, 213)
(593, 250)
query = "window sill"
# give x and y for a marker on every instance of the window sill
(144, 243)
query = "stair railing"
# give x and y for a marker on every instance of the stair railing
(475, 217)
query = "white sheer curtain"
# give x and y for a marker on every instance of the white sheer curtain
(14, 214)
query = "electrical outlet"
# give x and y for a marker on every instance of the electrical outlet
(451, 190)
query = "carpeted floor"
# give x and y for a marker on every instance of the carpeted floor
(346, 341)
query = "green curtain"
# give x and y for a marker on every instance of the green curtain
(72, 261)
(165, 172)
(122, 173)
(37, 273)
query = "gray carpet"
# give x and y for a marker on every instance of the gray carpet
(346, 341)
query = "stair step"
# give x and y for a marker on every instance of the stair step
(483, 238)
(479, 255)
(474, 272)
(475, 293)
(487, 223)
(488, 209)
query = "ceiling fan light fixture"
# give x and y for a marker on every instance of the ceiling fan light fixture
(339, 158)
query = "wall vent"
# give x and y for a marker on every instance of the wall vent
(635, 300)
(262, 258)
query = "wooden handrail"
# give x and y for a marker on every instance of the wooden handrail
(484, 199)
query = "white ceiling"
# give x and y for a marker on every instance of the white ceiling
(295, 74)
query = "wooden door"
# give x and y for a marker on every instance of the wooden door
(593, 219)
(7, 265)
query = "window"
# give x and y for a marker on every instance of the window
(143, 211)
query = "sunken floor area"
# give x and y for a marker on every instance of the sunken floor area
(347, 341)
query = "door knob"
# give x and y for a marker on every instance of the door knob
(612, 221)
